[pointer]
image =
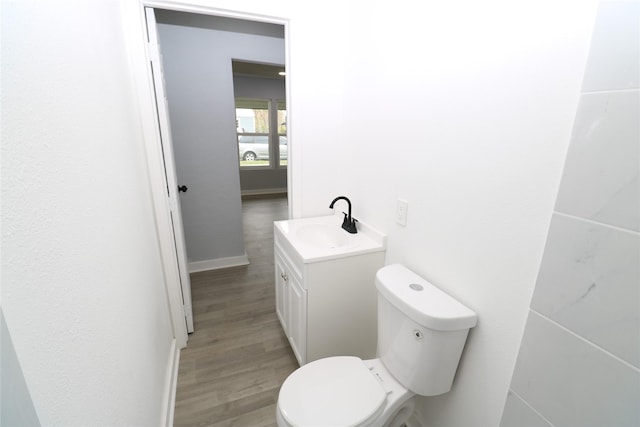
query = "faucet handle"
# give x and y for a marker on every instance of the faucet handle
(345, 221)
(349, 226)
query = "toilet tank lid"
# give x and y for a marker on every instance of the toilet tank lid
(421, 301)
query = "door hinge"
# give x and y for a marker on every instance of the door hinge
(154, 52)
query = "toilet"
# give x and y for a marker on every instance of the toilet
(421, 335)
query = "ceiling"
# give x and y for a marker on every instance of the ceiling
(255, 69)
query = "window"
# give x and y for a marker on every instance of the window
(258, 127)
(252, 125)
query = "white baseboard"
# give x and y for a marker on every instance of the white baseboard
(171, 385)
(214, 264)
(264, 191)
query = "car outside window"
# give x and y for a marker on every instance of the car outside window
(257, 136)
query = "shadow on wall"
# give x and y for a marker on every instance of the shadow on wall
(16, 406)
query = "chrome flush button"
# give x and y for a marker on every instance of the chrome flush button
(417, 334)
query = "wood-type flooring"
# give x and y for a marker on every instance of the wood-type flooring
(238, 356)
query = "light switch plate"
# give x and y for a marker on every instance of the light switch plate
(401, 212)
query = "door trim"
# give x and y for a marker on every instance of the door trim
(171, 385)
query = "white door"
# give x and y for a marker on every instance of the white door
(297, 300)
(169, 164)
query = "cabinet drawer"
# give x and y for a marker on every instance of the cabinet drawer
(293, 267)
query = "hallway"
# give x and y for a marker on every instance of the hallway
(237, 358)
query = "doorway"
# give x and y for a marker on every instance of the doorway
(207, 173)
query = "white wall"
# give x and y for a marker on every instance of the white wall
(579, 362)
(197, 65)
(465, 111)
(83, 291)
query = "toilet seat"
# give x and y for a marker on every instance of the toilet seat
(335, 391)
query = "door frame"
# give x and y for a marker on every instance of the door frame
(135, 30)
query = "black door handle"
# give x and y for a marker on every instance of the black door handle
(182, 188)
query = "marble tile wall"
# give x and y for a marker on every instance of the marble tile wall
(579, 360)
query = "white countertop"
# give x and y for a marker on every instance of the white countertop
(322, 238)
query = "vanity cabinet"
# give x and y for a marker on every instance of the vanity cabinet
(327, 304)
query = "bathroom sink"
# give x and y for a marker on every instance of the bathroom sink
(323, 235)
(321, 238)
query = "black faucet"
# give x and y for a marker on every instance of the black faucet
(348, 223)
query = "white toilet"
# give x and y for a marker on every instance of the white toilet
(421, 334)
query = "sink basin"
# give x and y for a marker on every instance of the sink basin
(321, 238)
(323, 235)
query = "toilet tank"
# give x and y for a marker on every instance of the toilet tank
(421, 330)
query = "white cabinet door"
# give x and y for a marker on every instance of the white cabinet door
(291, 306)
(297, 319)
(281, 292)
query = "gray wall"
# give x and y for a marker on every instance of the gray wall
(262, 180)
(579, 361)
(197, 63)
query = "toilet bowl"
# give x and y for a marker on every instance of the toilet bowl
(421, 335)
(343, 391)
